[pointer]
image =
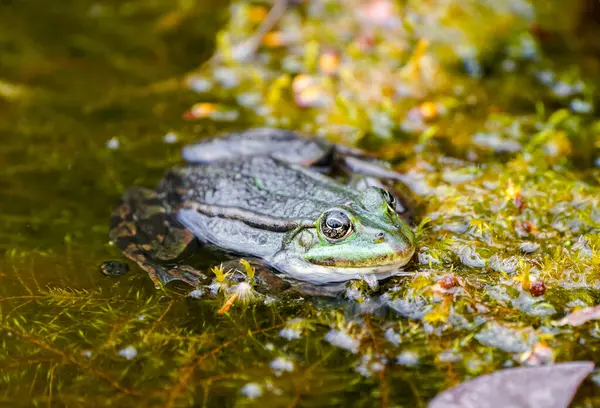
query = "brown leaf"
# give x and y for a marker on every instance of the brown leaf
(581, 316)
(550, 386)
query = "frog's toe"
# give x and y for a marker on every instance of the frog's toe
(269, 282)
(189, 273)
(161, 275)
(332, 290)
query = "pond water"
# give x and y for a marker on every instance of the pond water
(488, 109)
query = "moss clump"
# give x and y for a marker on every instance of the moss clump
(496, 135)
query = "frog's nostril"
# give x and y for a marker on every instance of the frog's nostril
(379, 237)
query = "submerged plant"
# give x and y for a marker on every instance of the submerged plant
(496, 140)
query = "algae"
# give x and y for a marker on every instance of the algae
(488, 108)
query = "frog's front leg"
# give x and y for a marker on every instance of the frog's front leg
(266, 280)
(269, 282)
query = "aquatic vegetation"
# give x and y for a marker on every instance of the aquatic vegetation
(495, 134)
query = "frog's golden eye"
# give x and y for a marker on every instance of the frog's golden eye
(390, 199)
(336, 225)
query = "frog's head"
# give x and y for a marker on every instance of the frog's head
(366, 236)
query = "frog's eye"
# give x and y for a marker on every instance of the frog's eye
(390, 199)
(336, 225)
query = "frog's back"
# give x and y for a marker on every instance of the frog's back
(260, 184)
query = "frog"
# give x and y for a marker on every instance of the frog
(297, 206)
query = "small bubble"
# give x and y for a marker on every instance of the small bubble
(170, 138)
(281, 364)
(228, 78)
(508, 65)
(342, 340)
(128, 352)
(562, 89)
(449, 356)
(545, 77)
(290, 333)
(251, 390)
(199, 84)
(580, 106)
(408, 359)
(249, 99)
(113, 143)
(393, 337)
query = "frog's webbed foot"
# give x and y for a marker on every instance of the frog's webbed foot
(332, 290)
(163, 274)
(146, 233)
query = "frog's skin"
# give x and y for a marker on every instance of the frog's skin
(261, 194)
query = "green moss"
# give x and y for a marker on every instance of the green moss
(492, 124)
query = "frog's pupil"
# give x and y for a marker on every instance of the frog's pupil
(333, 222)
(336, 225)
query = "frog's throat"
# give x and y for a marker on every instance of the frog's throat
(303, 270)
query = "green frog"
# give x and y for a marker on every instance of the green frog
(304, 208)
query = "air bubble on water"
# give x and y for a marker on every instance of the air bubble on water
(252, 390)
(128, 352)
(170, 138)
(281, 365)
(113, 143)
(342, 340)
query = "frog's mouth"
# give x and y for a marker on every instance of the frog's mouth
(361, 254)
(302, 269)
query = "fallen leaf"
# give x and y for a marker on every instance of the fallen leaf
(581, 316)
(550, 386)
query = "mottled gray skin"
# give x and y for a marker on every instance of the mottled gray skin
(260, 193)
